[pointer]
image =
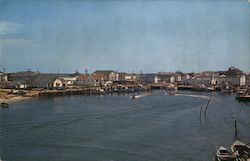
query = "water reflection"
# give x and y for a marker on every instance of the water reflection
(116, 127)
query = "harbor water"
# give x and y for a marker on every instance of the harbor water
(114, 127)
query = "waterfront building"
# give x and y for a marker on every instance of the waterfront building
(149, 78)
(166, 77)
(4, 80)
(48, 80)
(3, 77)
(59, 83)
(232, 76)
(121, 76)
(200, 80)
(90, 80)
(130, 77)
(178, 77)
(247, 80)
(109, 75)
(23, 79)
(70, 81)
(126, 77)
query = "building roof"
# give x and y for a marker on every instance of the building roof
(231, 71)
(104, 71)
(83, 76)
(48, 78)
(122, 73)
(98, 76)
(24, 74)
(165, 74)
(23, 77)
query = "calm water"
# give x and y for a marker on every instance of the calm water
(117, 128)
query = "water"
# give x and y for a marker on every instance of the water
(117, 128)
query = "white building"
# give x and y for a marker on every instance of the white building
(69, 80)
(59, 83)
(232, 80)
(3, 77)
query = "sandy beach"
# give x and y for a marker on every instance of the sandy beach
(6, 96)
(14, 99)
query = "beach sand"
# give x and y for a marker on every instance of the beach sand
(6, 96)
(14, 99)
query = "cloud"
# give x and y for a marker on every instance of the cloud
(9, 35)
(16, 42)
(7, 28)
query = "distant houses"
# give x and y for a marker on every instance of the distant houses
(165, 77)
(247, 80)
(91, 80)
(103, 78)
(30, 79)
(232, 76)
(126, 77)
(23, 79)
(108, 75)
(3, 80)
(3, 77)
(149, 78)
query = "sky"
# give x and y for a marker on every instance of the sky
(127, 36)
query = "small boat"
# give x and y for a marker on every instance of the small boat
(4, 105)
(241, 150)
(135, 96)
(225, 155)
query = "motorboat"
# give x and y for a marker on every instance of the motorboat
(241, 150)
(225, 155)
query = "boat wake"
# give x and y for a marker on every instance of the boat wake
(185, 95)
(141, 95)
(195, 96)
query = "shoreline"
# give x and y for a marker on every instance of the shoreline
(14, 99)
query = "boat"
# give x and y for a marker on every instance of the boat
(135, 96)
(4, 105)
(225, 155)
(243, 97)
(241, 150)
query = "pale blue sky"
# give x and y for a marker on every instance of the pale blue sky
(126, 36)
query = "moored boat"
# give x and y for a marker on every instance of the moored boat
(241, 150)
(225, 155)
(4, 105)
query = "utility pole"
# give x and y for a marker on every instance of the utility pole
(235, 129)
(4, 76)
(29, 81)
(86, 71)
(141, 75)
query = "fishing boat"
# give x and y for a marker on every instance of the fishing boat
(241, 150)
(225, 155)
